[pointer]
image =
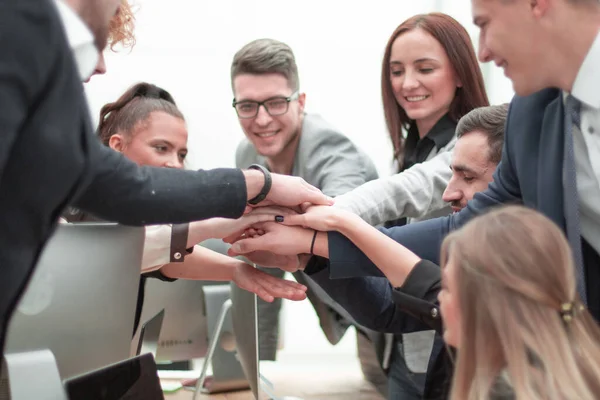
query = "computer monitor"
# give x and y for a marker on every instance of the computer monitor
(245, 327)
(81, 300)
(149, 334)
(244, 320)
(184, 333)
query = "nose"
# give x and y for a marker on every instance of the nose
(484, 54)
(452, 192)
(262, 117)
(410, 81)
(174, 162)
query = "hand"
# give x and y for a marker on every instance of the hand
(265, 286)
(271, 260)
(277, 238)
(293, 191)
(320, 218)
(222, 228)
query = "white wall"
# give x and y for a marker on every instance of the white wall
(186, 47)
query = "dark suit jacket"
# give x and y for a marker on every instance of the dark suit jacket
(530, 172)
(50, 157)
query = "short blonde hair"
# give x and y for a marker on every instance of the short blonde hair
(514, 271)
(121, 28)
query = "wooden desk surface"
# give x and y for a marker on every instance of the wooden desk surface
(309, 382)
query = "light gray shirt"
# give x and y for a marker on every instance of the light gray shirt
(415, 192)
(586, 143)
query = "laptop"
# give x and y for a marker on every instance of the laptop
(133, 379)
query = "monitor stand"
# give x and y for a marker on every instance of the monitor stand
(32, 375)
(227, 370)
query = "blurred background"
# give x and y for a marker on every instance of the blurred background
(186, 47)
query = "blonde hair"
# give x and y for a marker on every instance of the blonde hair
(121, 27)
(514, 271)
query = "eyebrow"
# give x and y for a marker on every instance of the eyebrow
(167, 142)
(463, 168)
(420, 60)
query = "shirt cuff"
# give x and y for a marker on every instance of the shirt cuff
(421, 279)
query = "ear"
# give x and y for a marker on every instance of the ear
(301, 102)
(539, 7)
(116, 142)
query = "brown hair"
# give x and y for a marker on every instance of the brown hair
(514, 271)
(489, 121)
(134, 107)
(458, 46)
(266, 56)
(121, 27)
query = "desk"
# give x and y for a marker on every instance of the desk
(309, 381)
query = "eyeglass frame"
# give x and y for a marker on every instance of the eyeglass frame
(289, 99)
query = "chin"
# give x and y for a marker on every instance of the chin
(417, 114)
(525, 87)
(268, 151)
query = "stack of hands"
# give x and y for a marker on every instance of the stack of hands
(278, 233)
(278, 237)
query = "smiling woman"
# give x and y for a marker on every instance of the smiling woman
(430, 78)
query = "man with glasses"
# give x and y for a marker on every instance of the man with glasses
(286, 140)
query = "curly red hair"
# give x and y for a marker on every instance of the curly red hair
(121, 27)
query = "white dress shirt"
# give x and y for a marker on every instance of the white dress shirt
(586, 143)
(157, 246)
(80, 38)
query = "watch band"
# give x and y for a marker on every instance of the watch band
(266, 187)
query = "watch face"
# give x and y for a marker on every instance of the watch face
(133, 379)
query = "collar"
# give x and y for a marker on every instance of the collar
(587, 82)
(80, 38)
(441, 134)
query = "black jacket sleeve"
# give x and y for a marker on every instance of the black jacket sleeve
(119, 190)
(375, 304)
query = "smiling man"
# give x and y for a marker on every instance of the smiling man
(283, 138)
(476, 155)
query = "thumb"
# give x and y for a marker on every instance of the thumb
(249, 245)
(315, 196)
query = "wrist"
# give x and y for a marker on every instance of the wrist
(234, 269)
(265, 189)
(321, 247)
(255, 180)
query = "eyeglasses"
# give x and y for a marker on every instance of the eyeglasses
(274, 106)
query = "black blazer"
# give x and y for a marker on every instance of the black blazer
(50, 156)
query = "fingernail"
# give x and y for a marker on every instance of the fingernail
(279, 218)
(235, 247)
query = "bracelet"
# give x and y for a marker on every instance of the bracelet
(312, 245)
(266, 187)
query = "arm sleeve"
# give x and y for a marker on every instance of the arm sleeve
(415, 192)
(425, 238)
(121, 191)
(380, 307)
